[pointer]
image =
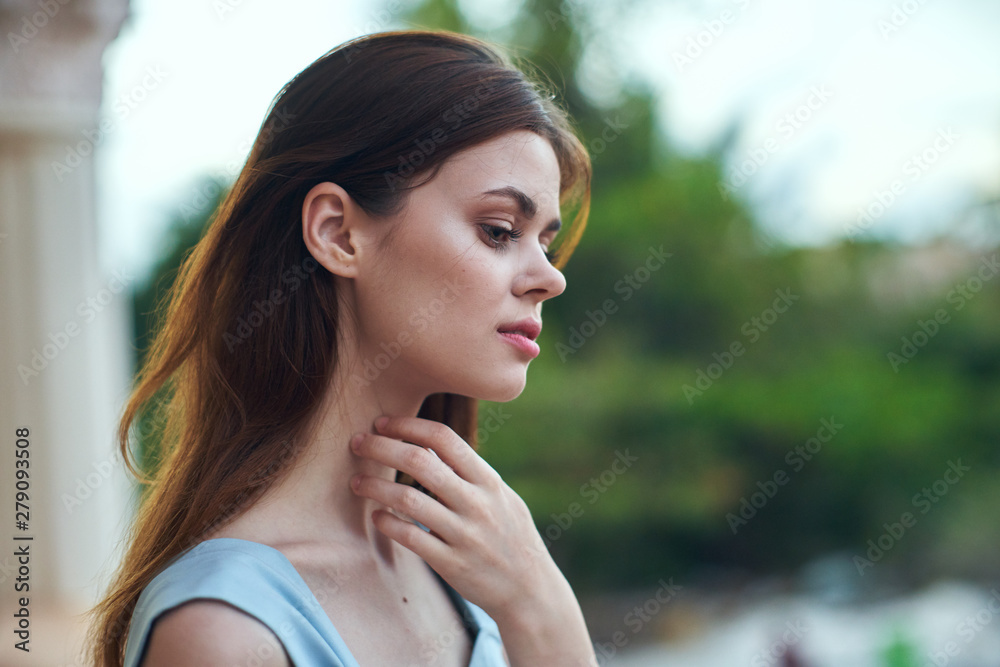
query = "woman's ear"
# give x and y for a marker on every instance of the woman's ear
(331, 228)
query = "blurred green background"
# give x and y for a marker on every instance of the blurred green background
(733, 466)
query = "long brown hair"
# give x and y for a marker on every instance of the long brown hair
(248, 338)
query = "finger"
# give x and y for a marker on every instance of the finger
(447, 444)
(434, 551)
(420, 463)
(411, 503)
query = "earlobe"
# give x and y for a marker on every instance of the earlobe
(328, 228)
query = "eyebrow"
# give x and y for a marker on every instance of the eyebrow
(525, 204)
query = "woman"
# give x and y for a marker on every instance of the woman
(385, 252)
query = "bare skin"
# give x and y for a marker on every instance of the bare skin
(406, 619)
(439, 289)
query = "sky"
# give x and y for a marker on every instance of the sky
(850, 120)
(880, 94)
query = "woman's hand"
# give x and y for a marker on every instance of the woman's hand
(482, 538)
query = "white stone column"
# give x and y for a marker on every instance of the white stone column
(65, 358)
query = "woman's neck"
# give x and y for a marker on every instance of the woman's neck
(312, 503)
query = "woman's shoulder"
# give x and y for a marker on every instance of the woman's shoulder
(208, 632)
(221, 568)
(249, 585)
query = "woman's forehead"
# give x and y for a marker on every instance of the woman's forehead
(521, 160)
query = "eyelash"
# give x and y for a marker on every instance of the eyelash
(514, 235)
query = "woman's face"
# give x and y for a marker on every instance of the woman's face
(430, 305)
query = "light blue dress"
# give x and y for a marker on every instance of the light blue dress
(262, 582)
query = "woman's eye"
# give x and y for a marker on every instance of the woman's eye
(495, 234)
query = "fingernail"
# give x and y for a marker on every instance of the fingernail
(356, 440)
(355, 482)
(381, 422)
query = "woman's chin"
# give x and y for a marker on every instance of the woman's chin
(501, 391)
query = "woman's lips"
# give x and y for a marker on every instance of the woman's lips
(526, 345)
